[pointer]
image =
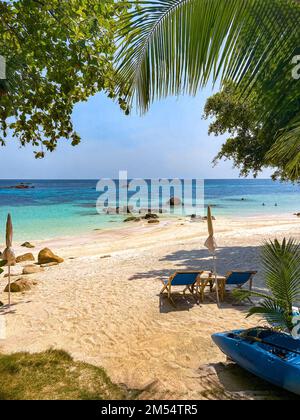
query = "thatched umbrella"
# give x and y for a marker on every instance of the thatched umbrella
(211, 244)
(8, 254)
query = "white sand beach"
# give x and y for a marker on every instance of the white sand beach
(103, 306)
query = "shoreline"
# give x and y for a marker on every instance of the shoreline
(108, 312)
(164, 221)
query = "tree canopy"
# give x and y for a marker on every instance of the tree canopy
(250, 144)
(58, 53)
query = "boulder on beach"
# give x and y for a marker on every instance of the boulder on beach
(25, 257)
(47, 256)
(20, 285)
(27, 245)
(32, 269)
(297, 214)
(174, 201)
(153, 221)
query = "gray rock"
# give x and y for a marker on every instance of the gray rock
(174, 201)
(153, 221)
(27, 245)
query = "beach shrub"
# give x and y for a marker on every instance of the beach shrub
(281, 267)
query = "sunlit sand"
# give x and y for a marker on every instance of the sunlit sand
(103, 306)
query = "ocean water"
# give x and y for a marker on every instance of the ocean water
(68, 207)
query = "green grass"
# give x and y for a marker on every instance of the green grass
(54, 375)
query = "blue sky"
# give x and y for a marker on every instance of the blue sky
(171, 140)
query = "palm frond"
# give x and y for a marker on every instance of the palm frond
(177, 46)
(242, 294)
(272, 311)
(281, 265)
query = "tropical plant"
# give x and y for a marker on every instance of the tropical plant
(178, 46)
(281, 266)
(58, 53)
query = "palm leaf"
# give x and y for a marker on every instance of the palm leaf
(281, 265)
(273, 312)
(282, 270)
(242, 294)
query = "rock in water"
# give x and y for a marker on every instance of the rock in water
(174, 201)
(149, 216)
(132, 219)
(25, 257)
(20, 285)
(27, 245)
(47, 256)
(32, 269)
(153, 221)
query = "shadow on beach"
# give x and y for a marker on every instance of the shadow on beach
(229, 381)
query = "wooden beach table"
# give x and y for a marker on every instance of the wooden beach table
(209, 279)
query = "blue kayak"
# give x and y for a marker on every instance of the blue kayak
(272, 356)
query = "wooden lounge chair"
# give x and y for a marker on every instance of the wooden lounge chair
(238, 279)
(187, 279)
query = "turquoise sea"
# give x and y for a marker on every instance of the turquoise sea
(54, 208)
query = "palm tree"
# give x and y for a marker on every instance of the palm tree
(179, 46)
(281, 264)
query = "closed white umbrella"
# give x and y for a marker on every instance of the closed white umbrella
(211, 244)
(8, 254)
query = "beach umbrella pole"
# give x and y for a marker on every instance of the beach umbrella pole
(9, 302)
(215, 274)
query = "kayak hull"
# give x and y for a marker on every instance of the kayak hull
(265, 359)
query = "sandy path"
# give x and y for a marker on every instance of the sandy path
(107, 311)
